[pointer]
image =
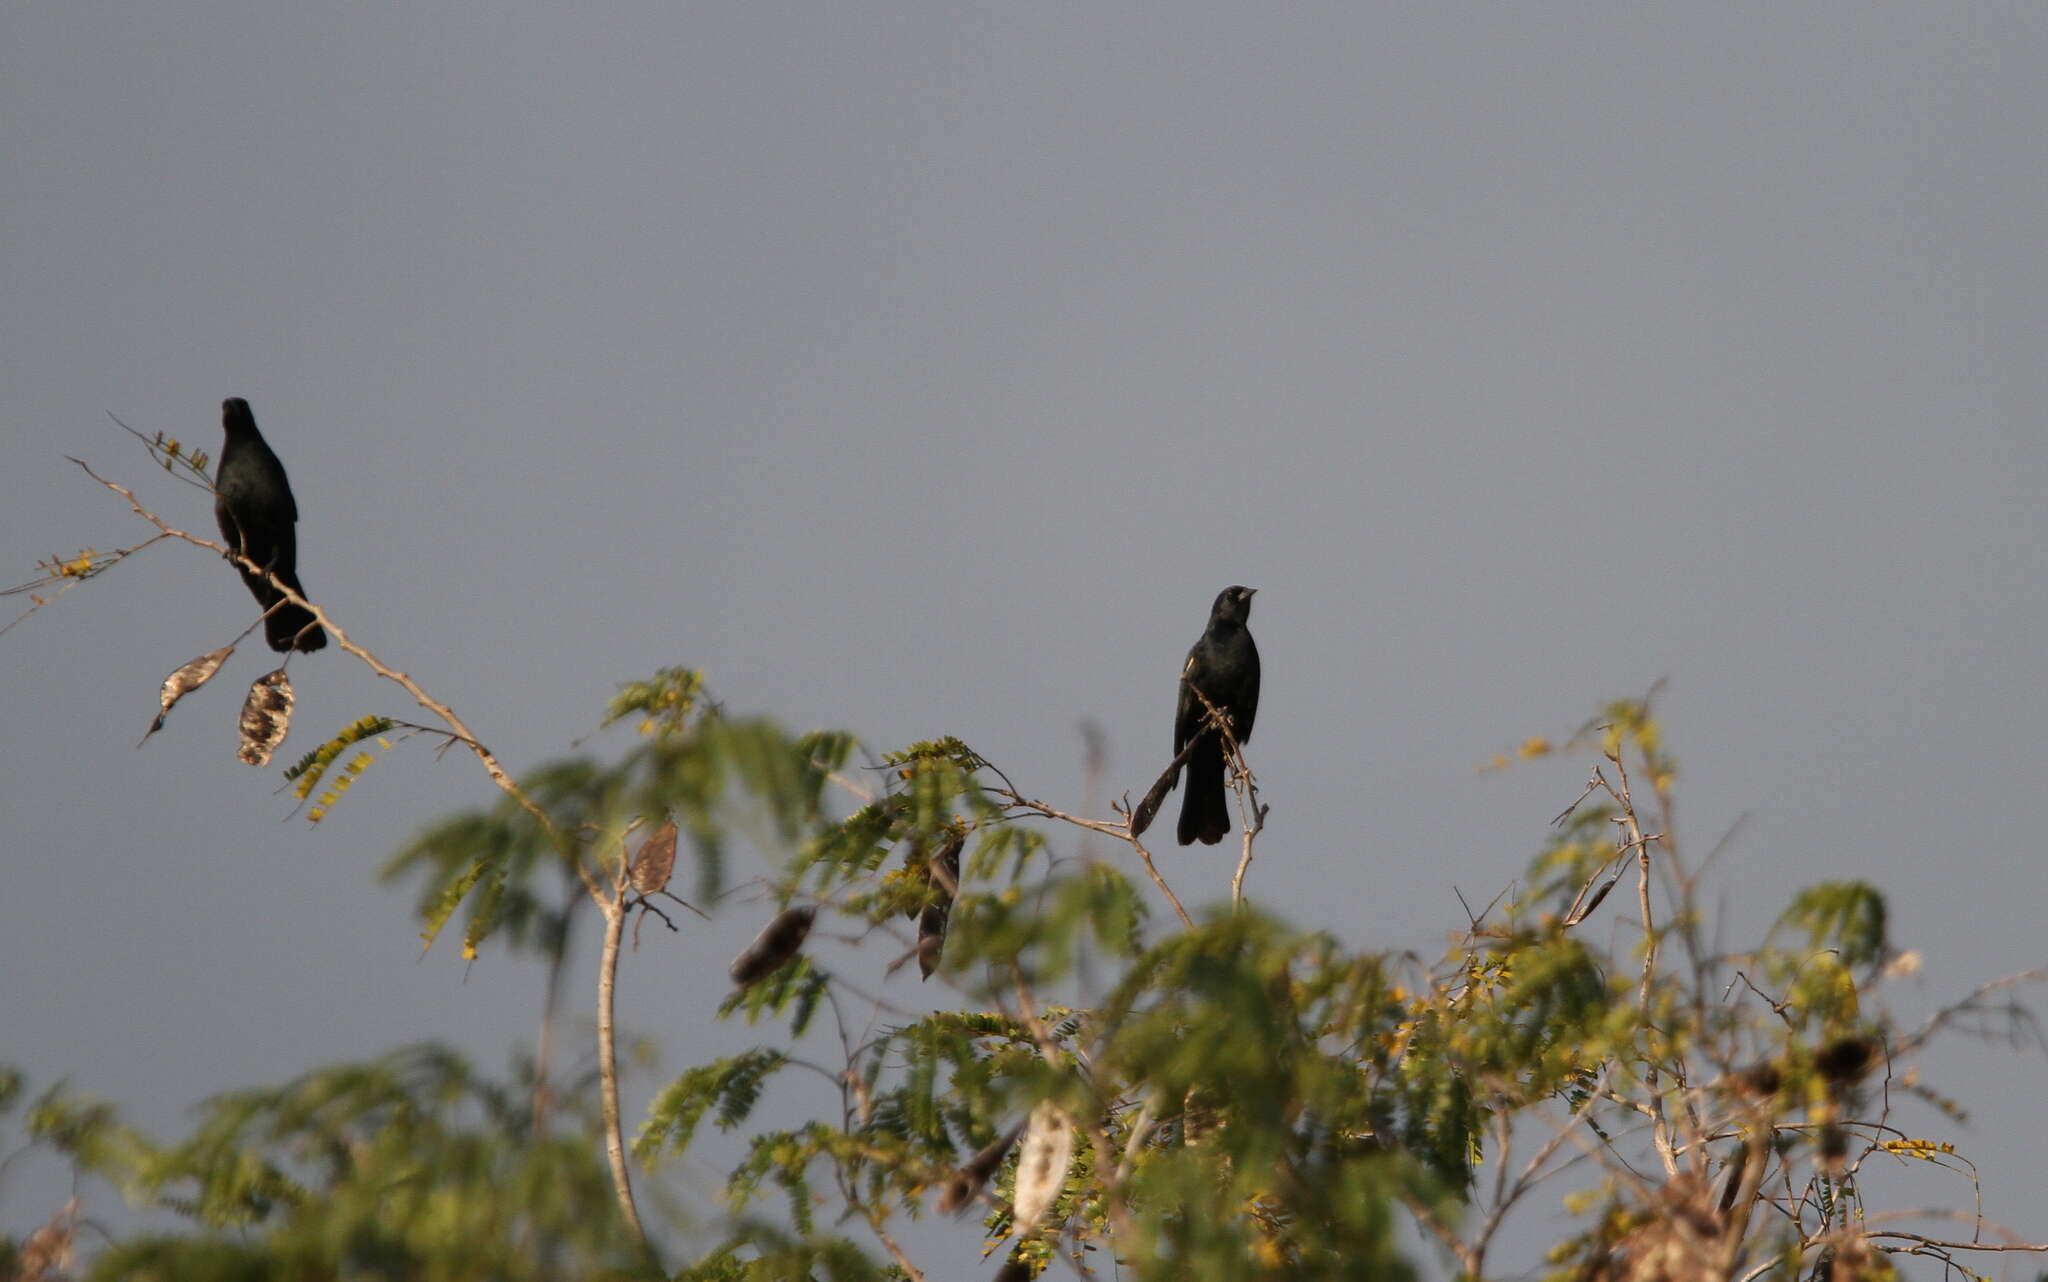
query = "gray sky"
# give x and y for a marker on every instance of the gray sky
(925, 371)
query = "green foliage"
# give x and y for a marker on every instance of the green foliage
(409, 1167)
(706, 774)
(731, 1086)
(664, 702)
(1243, 1100)
(794, 990)
(1847, 916)
(1255, 1102)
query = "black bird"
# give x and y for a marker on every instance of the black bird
(252, 500)
(1223, 665)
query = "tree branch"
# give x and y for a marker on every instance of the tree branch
(492, 766)
(608, 1055)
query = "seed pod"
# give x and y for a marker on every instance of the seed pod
(1583, 907)
(772, 949)
(1041, 1166)
(1148, 808)
(183, 682)
(266, 717)
(931, 923)
(931, 939)
(974, 1173)
(655, 861)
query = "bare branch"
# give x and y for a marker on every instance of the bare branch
(1122, 832)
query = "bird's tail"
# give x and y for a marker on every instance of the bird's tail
(1205, 807)
(290, 626)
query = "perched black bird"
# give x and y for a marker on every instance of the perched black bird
(253, 503)
(1223, 665)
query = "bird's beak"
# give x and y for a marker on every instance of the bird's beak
(1251, 592)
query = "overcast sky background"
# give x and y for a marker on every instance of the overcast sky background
(925, 371)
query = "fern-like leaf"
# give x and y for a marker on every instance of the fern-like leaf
(309, 768)
(732, 1086)
(436, 914)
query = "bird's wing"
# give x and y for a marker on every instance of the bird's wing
(230, 529)
(1242, 724)
(275, 469)
(1188, 712)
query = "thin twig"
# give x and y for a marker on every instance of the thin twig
(1506, 1195)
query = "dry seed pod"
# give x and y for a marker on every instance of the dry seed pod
(1041, 1166)
(266, 717)
(655, 861)
(1148, 808)
(778, 941)
(48, 1252)
(931, 923)
(183, 682)
(1169, 779)
(968, 1180)
(931, 939)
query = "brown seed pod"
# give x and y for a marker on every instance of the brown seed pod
(1155, 796)
(183, 682)
(931, 940)
(772, 949)
(655, 861)
(266, 717)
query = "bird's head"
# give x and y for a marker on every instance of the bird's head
(235, 416)
(1233, 603)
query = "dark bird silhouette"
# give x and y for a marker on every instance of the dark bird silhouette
(1224, 666)
(253, 503)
